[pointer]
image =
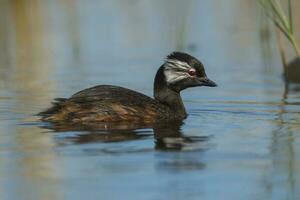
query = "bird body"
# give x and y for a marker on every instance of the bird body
(106, 103)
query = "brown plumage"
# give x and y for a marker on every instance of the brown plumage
(106, 103)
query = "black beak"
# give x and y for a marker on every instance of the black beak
(206, 82)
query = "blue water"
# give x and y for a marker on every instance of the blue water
(240, 141)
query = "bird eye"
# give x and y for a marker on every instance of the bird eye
(192, 72)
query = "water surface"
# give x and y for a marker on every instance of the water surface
(240, 141)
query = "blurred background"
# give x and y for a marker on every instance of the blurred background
(246, 130)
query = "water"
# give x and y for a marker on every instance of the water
(240, 141)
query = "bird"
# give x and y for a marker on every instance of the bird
(115, 104)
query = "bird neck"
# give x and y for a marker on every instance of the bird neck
(165, 95)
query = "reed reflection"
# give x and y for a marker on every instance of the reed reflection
(284, 150)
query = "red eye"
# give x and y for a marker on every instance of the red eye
(192, 72)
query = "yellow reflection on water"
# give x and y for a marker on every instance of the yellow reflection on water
(30, 51)
(39, 171)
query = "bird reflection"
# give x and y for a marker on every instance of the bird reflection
(168, 135)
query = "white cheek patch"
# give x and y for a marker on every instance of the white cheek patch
(176, 64)
(175, 70)
(174, 76)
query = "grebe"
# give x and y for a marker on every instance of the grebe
(107, 103)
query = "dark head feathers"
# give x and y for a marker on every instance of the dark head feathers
(184, 57)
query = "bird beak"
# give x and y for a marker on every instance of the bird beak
(206, 82)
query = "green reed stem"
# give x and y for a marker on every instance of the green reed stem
(290, 10)
(282, 22)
